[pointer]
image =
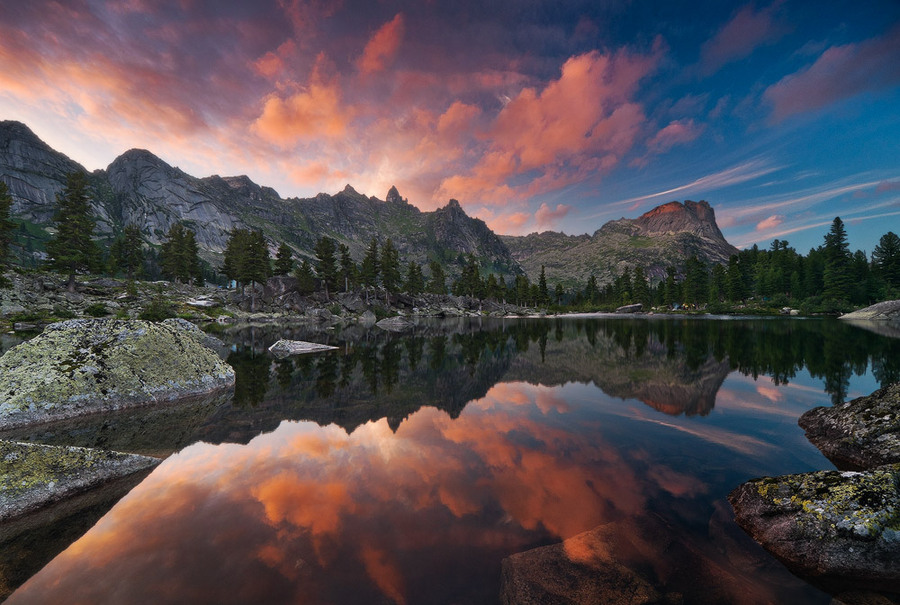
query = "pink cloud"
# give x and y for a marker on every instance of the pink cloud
(676, 133)
(770, 223)
(839, 73)
(545, 217)
(382, 47)
(747, 30)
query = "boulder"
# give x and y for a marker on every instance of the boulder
(283, 347)
(635, 308)
(398, 323)
(279, 285)
(834, 527)
(34, 476)
(858, 434)
(84, 366)
(368, 318)
(883, 311)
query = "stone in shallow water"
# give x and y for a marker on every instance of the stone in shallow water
(858, 434)
(831, 526)
(34, 476)
(283, 347)
(84, 366)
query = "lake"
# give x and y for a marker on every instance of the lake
(403, 468)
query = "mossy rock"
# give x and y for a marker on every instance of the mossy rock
(832, 526)
(85, 366)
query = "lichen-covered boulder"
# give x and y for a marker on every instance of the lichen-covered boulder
(84, 366)
(831, 526)
(34, 476)
(858, 434)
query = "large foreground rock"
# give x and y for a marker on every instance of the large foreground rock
(887, 310)
(858, 434)
(84, 366)
(34, 476)
(831, 526)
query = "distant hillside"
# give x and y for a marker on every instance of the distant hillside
(141, 189)
(661, 237)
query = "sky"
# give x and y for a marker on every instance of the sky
(534, 114)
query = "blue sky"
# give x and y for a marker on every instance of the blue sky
(534, 114)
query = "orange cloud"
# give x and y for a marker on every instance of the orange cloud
(676, 133)
(770, 223)
(546, 218)
(382, 46)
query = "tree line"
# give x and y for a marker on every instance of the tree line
(829, 278)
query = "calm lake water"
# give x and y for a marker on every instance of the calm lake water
(403, 468)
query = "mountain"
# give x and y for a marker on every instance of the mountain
(661, 237)
(140, 188)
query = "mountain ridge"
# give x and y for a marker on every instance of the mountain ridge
(140, 188)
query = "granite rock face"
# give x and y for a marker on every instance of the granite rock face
(858, 434)
(830, 525)
(83, 366)
(883, 311)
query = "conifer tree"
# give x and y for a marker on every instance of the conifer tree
(370, 268)
(236, 255)
(348, 270)
(390, 267)
(306, 281)
(179, 255)
(543, 292)
(7, 227)
(437, 283)
(640, 288)
(72, 250)
(415, 281)
(326, 266)
(838, 277)
(126, 253)
(886, 259)
(284, 261)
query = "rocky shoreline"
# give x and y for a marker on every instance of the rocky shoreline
(840, 529)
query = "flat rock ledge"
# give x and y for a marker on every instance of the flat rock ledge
(35, 476)
(283, 347)
(835, 527)
(858, 434)
(883, 311)
(85, 366)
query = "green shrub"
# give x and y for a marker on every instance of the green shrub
(63, 313)
(158, 310)
(96, 310)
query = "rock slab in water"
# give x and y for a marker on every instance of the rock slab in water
(858, 434)
(635, 308)
(34, 476)
(887, 310)
(283, 347)
(831, 526)
(398, 323)
(84, 366)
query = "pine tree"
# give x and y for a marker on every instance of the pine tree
(838, 276)
(7, 227)
(284, 260)
(326, 265)
(640, 288)
(415, 281)
(126, 253)
(72, 250)
(348, 271)
(886, 259)
(390, 267)
(236, 251)
(306, 282)
(591, 291)
(370, 269)
(437, 284)
(543, 292)
(558, 294)
(258, 265)
(179, 255)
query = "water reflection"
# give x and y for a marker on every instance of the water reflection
(432, 456)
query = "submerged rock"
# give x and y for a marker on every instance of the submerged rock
(35, 476)
(635, 308)
(83, 366)
(398, 323)
(831, 526)
(858, 434)
(283, 347)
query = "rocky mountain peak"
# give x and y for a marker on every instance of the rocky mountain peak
(393, 196)
(697, 218)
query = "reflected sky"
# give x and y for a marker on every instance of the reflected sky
(423, 510)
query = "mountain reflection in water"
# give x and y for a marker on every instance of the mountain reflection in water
(404, 468)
